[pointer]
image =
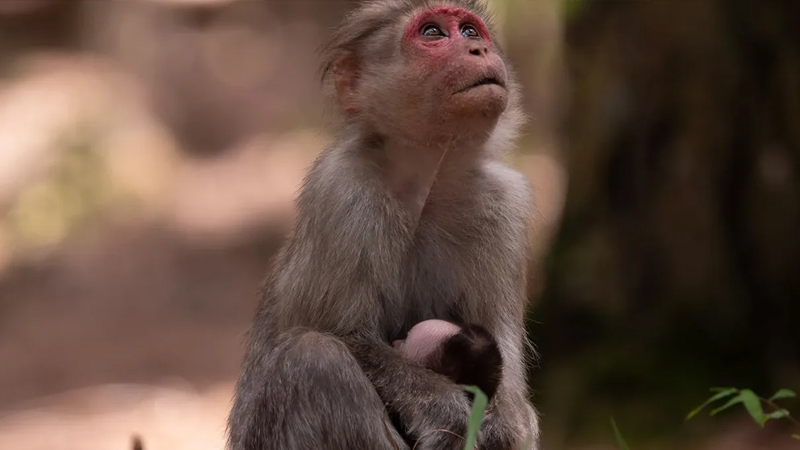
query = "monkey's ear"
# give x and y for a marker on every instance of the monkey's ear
(345, 73)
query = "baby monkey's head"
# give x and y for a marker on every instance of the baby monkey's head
(467, 354)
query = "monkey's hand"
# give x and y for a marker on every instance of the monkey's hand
(438, 421)
(432, 410)
(508, 425)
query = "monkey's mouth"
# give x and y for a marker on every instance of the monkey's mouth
(485, 81)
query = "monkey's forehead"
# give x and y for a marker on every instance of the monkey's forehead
(379, 13)
(367, 20)
(424, 15)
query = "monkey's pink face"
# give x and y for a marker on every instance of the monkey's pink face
(454, 60)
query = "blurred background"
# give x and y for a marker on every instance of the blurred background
(150, 152)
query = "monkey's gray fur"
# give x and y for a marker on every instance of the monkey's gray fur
(362, 266)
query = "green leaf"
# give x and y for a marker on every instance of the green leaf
(620, 440)
(783, 393)
(778, 414)
(731, 402)
(720, 394)
(476, 417)
(753, 406)
(796, 437)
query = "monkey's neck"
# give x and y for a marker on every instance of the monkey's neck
(412, 170)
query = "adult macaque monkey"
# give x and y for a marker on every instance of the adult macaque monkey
(467, 354)
(409, 215)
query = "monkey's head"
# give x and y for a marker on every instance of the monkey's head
(425, 69)
(425, 340)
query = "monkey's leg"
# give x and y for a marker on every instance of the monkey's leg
(308, 392)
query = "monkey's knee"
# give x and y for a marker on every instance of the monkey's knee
(327, 366)
(317, 396)
(314, 352)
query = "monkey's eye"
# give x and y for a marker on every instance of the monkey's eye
(431, 30)
(469, 31)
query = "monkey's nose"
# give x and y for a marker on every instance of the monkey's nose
(478, 50)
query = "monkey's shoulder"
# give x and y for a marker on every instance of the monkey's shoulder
(337, 177)
(334, 166)
(504, 189)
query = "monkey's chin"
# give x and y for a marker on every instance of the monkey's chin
(481, 103)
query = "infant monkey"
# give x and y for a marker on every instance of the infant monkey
(466, 354)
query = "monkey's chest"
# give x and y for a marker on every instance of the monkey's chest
(435, 279)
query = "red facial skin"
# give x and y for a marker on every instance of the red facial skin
(450, 19)
(460, 60)
(446, 85)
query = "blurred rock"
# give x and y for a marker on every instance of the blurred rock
(220, 74)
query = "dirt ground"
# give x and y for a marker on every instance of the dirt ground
(107, 417)
(134, 332)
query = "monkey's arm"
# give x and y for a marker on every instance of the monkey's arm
(425, 402)
(499, 285)
(510, 419)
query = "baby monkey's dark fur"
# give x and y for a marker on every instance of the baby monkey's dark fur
(471, 357)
